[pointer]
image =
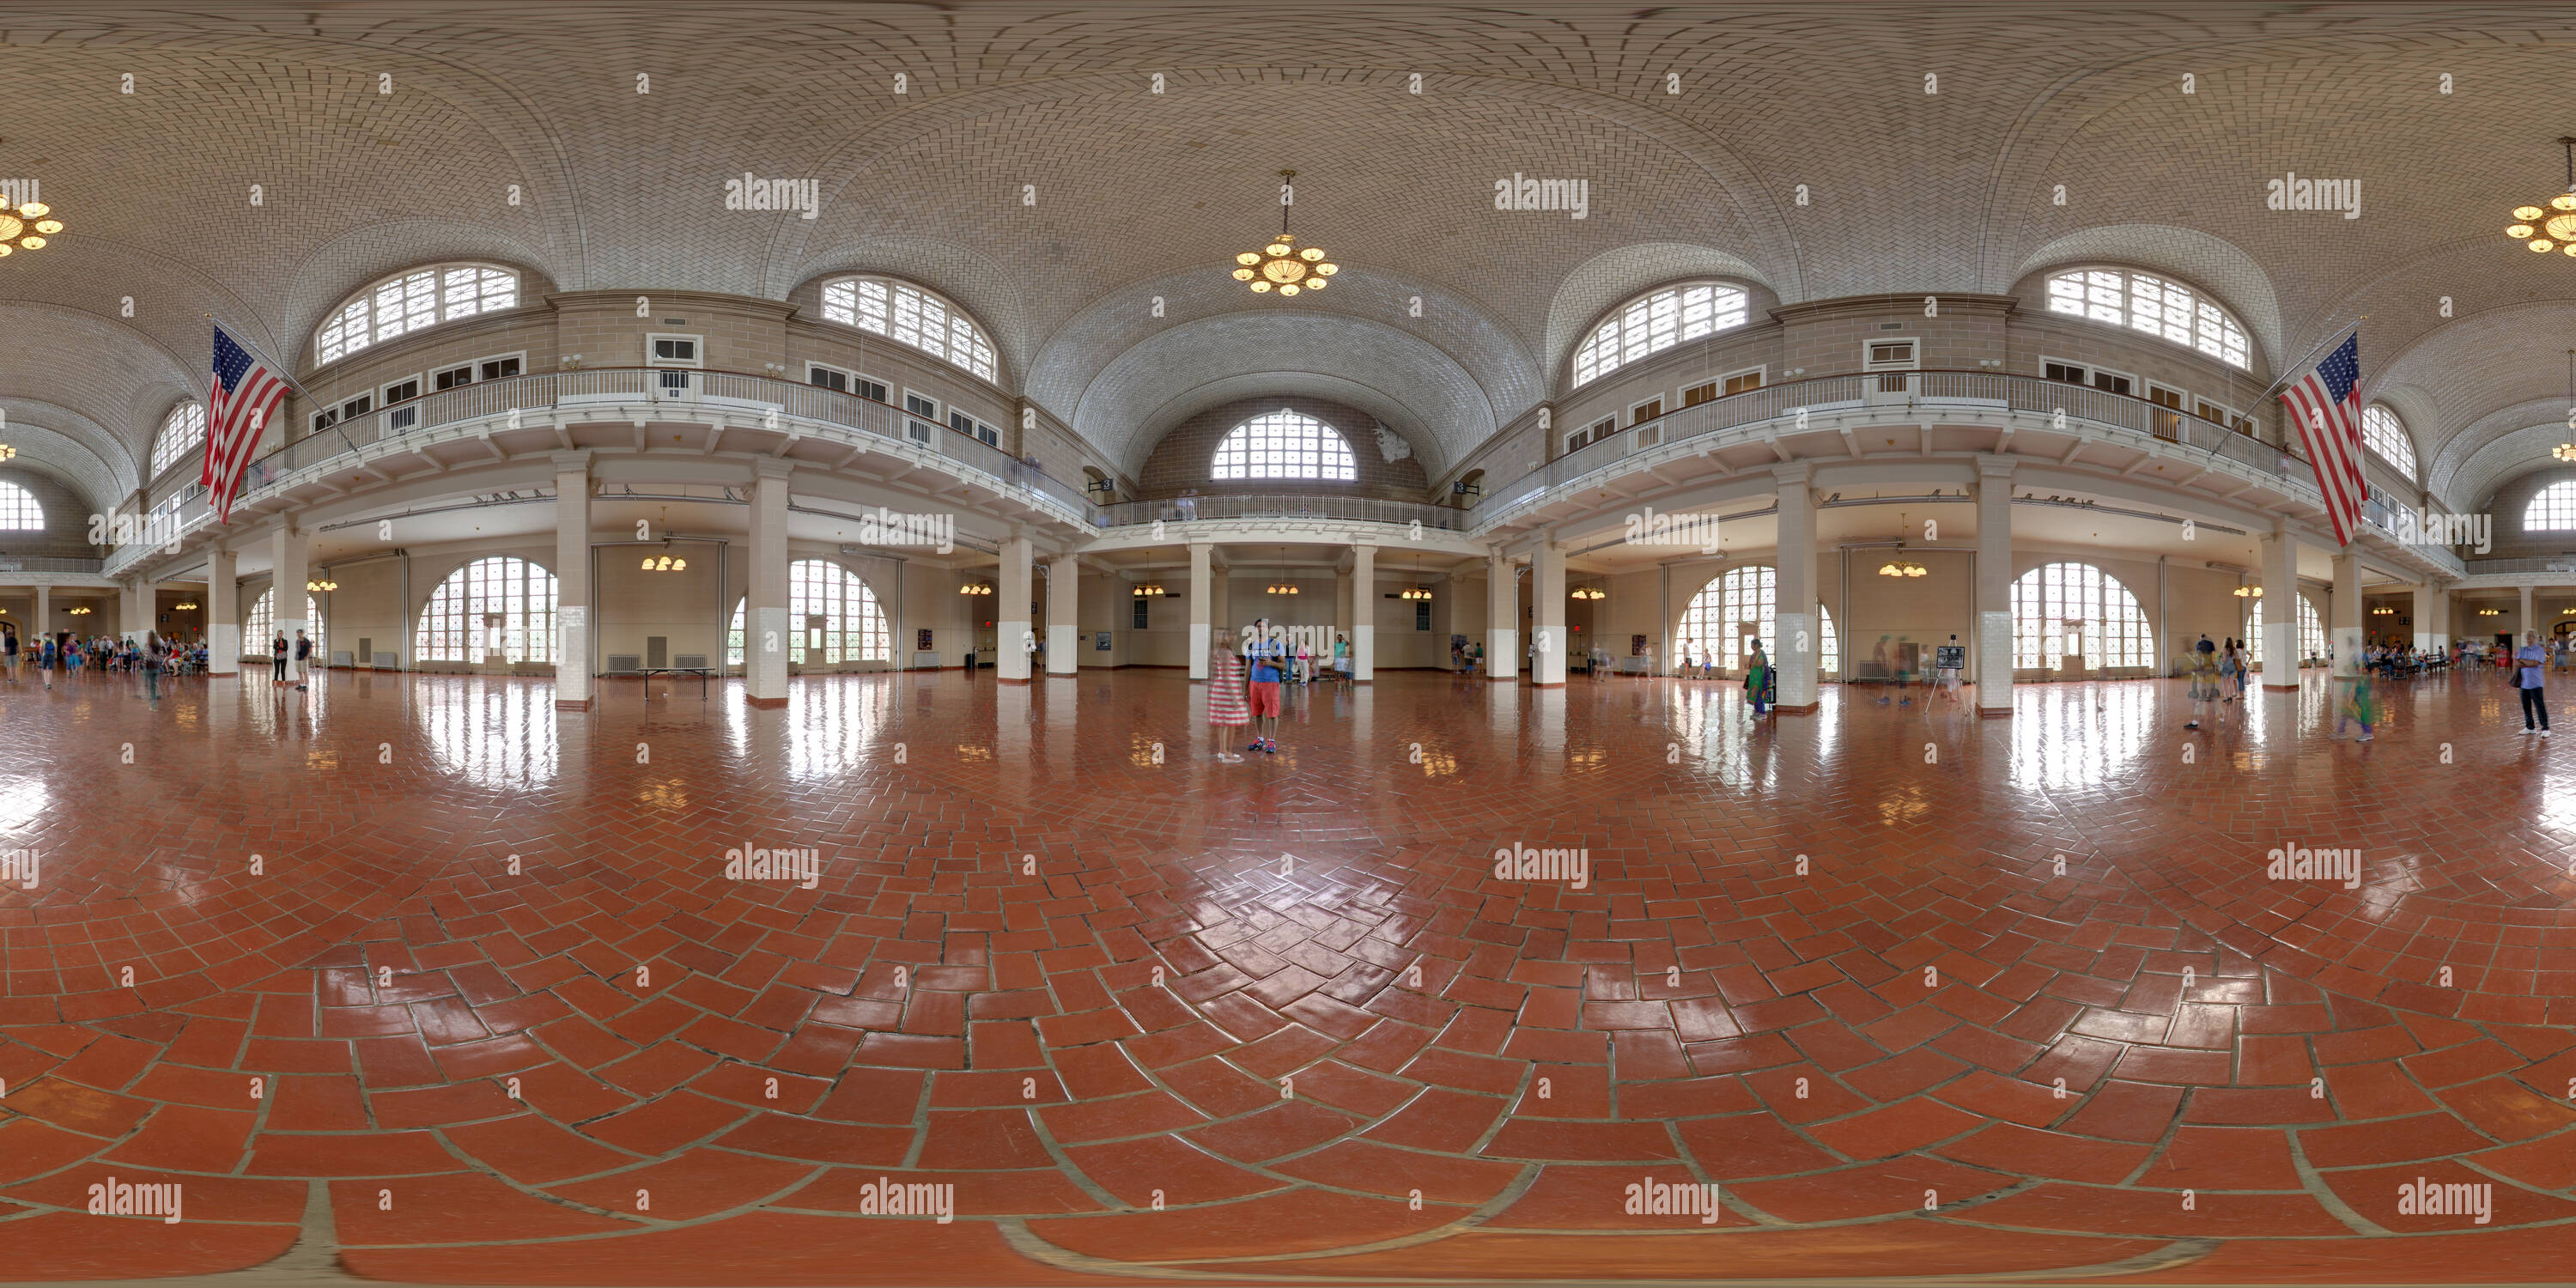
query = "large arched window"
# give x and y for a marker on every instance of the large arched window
(262, 623)
(183, 433)
(1654, 323)
(2552, 509)
(19, 511)
(2046, 598)
(1284, 445)
(453, 627)
(408, 301)
(2156, 305)
(905, 312)
(2383, 433)
(1713, 625)
(854, 624)
(2312, 631)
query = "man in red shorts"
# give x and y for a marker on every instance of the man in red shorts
(1267, 657)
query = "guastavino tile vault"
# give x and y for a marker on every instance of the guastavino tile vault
(1315, 645)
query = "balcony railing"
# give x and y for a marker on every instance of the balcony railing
(1287, 507)
(625, 386)
(2542, 564)
(49, 563)
(1958, 390)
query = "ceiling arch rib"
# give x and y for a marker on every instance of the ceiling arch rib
(66, 453)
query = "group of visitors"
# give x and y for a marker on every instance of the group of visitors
(74, 656)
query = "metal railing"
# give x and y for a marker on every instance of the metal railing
(49, 563)
(624, 387)
(1897, 390)
(2543, 563)
(1281, 506)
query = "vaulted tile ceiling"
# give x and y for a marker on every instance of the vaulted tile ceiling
(1140, 194)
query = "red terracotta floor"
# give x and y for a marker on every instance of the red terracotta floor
(1157, 1018)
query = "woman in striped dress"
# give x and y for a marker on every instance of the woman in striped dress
(1226, 708)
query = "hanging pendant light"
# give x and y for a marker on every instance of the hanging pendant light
(1280, 266)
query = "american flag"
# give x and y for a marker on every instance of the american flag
(245, 393)
(2327, 407)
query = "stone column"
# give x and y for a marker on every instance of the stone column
(574, 627)
(2527, 623)
(2345, 630)
(293, 567)
(1502, 619)
(133, 609)
(1200, 589)
(1363, 614)
(223, 612)
(1064, 611)
(1798, 647)
(1014, 639)
(1547, 613)
(2429, 634)
(1993, 590)
(45, 613)
(2280, 556)
(1342, 602)
(766, 636)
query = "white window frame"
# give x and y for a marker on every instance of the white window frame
(978, 428)
(1914, 353)
(2136, 382)
(938, 413)
(384, 398)
(438, 306)
(2405, 469)
(1659, 402)
(2046, 361)
(2127, 320)
(990, 355)
(1763, 370)
(1584, 350)
(651, 359)
(520, 354)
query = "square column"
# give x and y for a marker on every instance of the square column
(132, 613)
(293, 564)
(2345, 629)
(764, 618)
(1200, 577)
(1014, 642)
(1363, 616)
(223, 612)
(573, 624)
(1798, 647)
(44, 613)
(1063, 605)
(2280, 556)
(1994, 675)
(1547, 613)
(1502, 619)
(2429, 634)
(2527, 623)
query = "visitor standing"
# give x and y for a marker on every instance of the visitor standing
(277, 660)
(303, 662)
(1758, 681)
(1226, 709)
(151, 663)
(1268, 658)
(2527, 678)
(9, 644)
(2203, 663)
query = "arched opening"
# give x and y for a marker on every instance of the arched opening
(262, 623)
(1715, 625)
(2312, 630)
(493, 605)
(1284, 444)
(19, 509)
(832, 617)
(2110, 629)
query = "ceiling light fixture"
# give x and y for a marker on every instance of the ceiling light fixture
(184, 605)
(320, 585)
(1590, 592)
(82, 611)
(975, 588)
(1149, 590)
(2383, 612)
(1903, 570)
(8, 453)
(2249, 592)
(665, 563)
(1280, 266)
(1284, 588)
(2490, 612)
(27, 227)
(2554, 228)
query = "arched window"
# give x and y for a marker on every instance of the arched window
(452, 627)
(2312, 631)
(406, 302)
(2156, 305)
(1654, 323)
(854, 624)
(1284, 445)
(2383, 433)
(1713, 625)
(2552, 509)
(2047, 597)
(183, 433)
(905, 312)
(262, 623)
(19, 511)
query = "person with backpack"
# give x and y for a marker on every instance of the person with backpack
(303, 662)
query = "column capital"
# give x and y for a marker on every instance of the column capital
(1794, 472)
(1993, 466)
(771, 467)
(575, 461)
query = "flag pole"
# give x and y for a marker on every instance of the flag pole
(2301, 365)
(281, 368)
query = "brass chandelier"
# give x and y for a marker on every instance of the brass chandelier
(1280, 265)
(2554, 228)
(321, 585)
(27, 227)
